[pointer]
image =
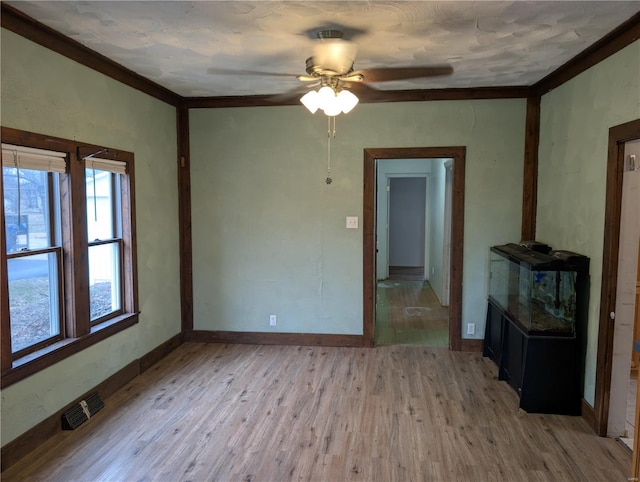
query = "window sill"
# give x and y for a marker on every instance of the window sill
(56, 352)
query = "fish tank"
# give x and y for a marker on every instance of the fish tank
(537, 290)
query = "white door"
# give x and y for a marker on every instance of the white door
(625, 295)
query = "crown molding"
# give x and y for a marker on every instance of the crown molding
(379, 96)
(613, 42)
(21, 24)
(29, 28)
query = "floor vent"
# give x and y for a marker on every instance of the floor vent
(81, 412)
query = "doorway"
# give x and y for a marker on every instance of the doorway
(621, 420)
(410, 207)
(370, 248)
(605, 374)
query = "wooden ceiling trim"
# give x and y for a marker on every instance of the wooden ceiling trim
(23, 25)
(616, 40)
(419, 95)
(27, 27)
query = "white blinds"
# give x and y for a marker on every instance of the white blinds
(30, 158)
(52, 161)
(117, 167)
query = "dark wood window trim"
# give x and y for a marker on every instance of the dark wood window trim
(80, 333)
(39, 360)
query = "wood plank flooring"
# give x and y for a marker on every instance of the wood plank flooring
(406, 273)
(211, 412)
(409, 313)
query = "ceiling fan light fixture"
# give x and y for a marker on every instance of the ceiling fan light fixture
(329, 102)
(347, 101)
(325, 95)
(311, 101)
(332, 107)
(335, 54)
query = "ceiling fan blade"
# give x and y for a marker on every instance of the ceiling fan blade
(216, 71)
(363, 91)
(292, 93)
(385, 74)
(307, 78)
(352, 77)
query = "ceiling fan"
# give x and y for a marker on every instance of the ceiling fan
(331, 69)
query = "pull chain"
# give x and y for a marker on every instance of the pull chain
(331, 132)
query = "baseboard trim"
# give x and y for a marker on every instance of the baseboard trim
(589, 415)
(471, 345)
(259, 338)
(39, 434)
(158, 353)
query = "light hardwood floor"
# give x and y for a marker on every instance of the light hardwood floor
(409, 313)
(632, 394)
(281, 413)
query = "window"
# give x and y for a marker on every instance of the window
(32, 233)
(68, 265)
(104, 234)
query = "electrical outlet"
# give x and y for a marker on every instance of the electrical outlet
(471, 328)
(272, 320)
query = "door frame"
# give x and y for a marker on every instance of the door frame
(618, 136)
(458, 154)
(448, 189)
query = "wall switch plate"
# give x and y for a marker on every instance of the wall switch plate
(352, 222)
(471, 328)
(272, 320)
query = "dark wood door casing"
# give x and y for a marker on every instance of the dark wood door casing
(618, 135)
(458, 154)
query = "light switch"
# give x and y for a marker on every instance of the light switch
(352, 222)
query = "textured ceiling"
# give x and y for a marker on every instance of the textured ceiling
(488, 43)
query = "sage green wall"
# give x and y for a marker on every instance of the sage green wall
(574, 129)
(269, 234)
(46, 93)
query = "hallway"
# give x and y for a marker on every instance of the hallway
(409, 313)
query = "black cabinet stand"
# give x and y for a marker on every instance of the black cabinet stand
(543, 370)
